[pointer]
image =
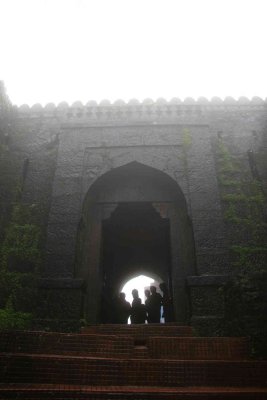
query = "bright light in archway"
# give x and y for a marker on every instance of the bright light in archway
(139, 283)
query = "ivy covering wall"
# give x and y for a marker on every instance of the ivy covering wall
(19, 234)
(244, 208)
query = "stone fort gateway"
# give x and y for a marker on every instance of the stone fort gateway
(139, 188)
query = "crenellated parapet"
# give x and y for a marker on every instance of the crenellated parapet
(148, 108)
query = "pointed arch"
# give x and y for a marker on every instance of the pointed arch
(134, 173)
(134, 219)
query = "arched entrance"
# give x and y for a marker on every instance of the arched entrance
(135, 240)
(134, 221)
(141, 283)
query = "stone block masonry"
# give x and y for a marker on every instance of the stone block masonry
(70, 149)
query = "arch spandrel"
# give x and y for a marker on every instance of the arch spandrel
(97, 162)
(142, 174)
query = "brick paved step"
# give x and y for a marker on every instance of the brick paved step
(25, 368)
(142, 330)
(60, 343)
(198, 348)
(112, 346)
(59, 392)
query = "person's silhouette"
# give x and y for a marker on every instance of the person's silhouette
(167, 303)
(123, 309)
(138, 315)
(147, 303)
(138, 309)
(155, 301)
(135, 295)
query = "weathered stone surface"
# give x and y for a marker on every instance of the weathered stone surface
(208, 325)
(207, 280)
(58, 265)
(61, 238)
(67, 186)
(209, 232)
(213, 261)
(68, 204)
(207, 300)
(60, 303)
(61, 283)
(70, 149)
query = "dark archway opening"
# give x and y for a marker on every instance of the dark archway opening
(134, 221)
(136, 240)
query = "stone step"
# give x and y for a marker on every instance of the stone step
(60, 343)
(140, 331)
(140, 352)
(198, 348)
(59, 392)
(116, 346)
(36, 368)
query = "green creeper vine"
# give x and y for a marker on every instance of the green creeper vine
(187, 139)
(22, 237)
(244, 202)
(19, 233)
(19, 264)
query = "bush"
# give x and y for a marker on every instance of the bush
(12, 320)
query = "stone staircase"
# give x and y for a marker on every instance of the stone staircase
(128, 362)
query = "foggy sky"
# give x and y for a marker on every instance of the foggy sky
(55, 50)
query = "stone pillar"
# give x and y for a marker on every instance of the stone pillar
(205, 205)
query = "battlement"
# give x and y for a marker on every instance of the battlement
(148, 108)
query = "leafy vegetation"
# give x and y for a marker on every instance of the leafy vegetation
(244, 202)
(19, 234)
(10, 319)
(19, 260)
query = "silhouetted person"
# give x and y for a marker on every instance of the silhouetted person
(135, 307)
(138, 315)
(147, 302)
(155, 301)
(123, 309)
(167, 303)
(135, 295)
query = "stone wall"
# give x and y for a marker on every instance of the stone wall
(69, 148)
